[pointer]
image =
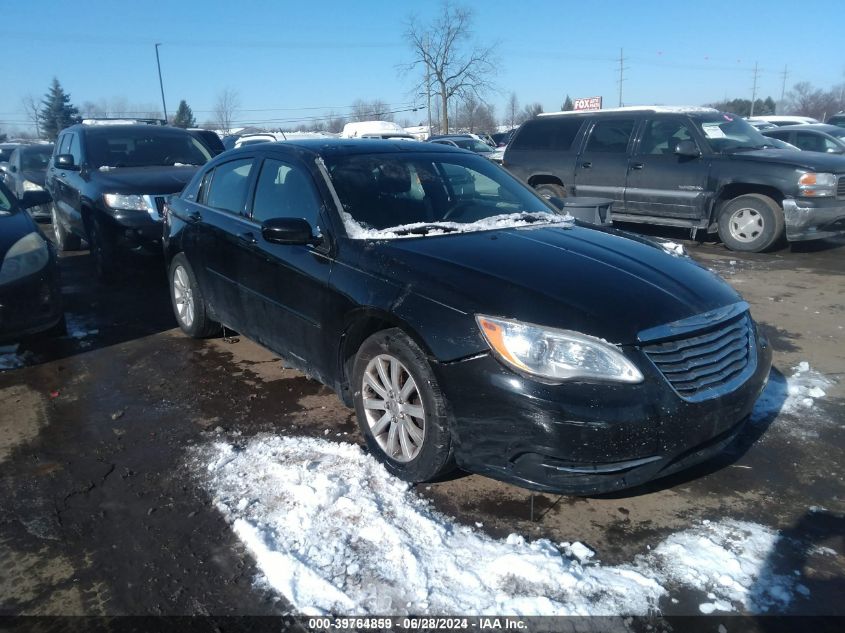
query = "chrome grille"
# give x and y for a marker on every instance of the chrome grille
(707, 362)
(159, 202)
(840, 187)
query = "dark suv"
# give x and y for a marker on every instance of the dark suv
(690, 167)
(108, 184)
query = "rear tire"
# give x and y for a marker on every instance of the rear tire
(188, 303)
(751, 223)
(405, 421)
(65, 241)
(549, 190)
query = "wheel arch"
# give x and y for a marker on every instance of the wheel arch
(545, 179)
(732, 190)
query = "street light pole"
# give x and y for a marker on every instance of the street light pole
(160, 83)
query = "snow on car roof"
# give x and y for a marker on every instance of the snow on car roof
(667, 109)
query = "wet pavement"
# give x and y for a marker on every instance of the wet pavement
(99, 514)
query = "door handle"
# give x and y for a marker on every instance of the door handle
(586, 165)
(637, 166)
(248, 237)
(195, 216)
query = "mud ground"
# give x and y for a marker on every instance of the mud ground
(98, 514)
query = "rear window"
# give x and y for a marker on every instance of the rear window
(547, 134)
(611, 135)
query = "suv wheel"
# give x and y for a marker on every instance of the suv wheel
(188, 302)
(102, 251)
(401, 412)
(64, 241)
(752, 223)
(549, 190)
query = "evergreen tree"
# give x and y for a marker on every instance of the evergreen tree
(184, 116)
(57, 112)
(567, 105)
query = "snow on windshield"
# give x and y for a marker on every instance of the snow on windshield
(393, 195)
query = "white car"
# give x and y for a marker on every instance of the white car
(782, 119)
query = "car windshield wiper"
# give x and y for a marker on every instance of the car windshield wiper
(423, 229)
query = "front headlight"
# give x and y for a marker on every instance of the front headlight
(27, 256)
(126, 202)
(28, 185)
(556, 354)
(817, 185)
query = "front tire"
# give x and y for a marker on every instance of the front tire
(65, 241)
(102, 251)
(550, 190)
(751, 223)
(401, 411)
(188, 302)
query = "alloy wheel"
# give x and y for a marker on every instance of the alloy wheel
(394, 408)
(746, 224)
(183, 296)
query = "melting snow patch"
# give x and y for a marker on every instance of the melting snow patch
(79, 327)
(793, 396)
(358, 231)
(9, 358)
(333, 531)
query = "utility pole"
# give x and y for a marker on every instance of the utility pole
(160, 83)
(428, 85)
(754, 90)
(621, 74)
(783, 87)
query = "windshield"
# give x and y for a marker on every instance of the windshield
(143, 148)
(727, 133)
(393, 195)
(5, 152)
(474, 145)
(36, 159)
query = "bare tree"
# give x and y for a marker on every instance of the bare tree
(334, 123)
(453, 64)
(225, 108)
(529, 112)
(32, 107)
(512, 111)
(805, 100)
(375, 110)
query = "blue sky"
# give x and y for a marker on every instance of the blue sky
(285, 56)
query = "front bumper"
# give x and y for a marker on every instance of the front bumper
(582, 438)
(812, 219)
(133, 230)
(30, 305)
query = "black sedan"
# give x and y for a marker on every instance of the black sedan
(26, 172)
(30, 298)
(467, 320)
(814, 137)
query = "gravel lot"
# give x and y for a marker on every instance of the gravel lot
(99, 513)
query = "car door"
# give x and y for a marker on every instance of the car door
(602, 166)
(57, 183)
(218, 230)
(660, 182)
(286, 285)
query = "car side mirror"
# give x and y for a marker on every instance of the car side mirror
(65, 161)
(287, 231)
(687, 149)
(33, 198)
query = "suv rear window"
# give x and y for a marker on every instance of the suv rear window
(548, 134)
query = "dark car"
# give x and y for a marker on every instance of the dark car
(30, 298)
(210, 139)
(109, 182)
(837, 119)
(469, 325)
(501, 139)
(696, 168)
(815, 137)
(26, 172)
(464, 142)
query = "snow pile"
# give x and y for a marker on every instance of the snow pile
(795, 395)
(728, 560)
(10, 359)
(79, 327)
(357, 231)
(333, 531)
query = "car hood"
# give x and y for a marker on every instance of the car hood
(573, 278)
(814, 161)
(12, 228)
(144, 180)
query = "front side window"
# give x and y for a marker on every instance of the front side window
(64, 143)
(407, 195)
(660, 137)
(5, 203)
(284, 191)
(611, 136)
(74, 149)
(229, 185)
